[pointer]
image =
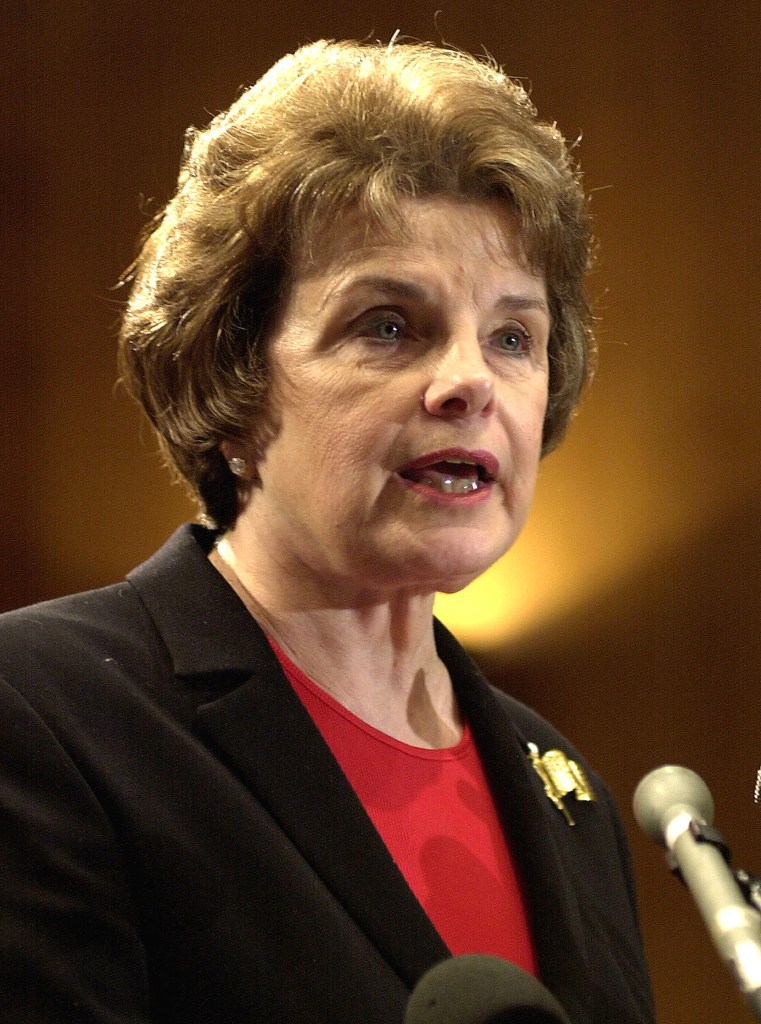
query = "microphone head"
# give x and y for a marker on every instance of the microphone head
(667, 791)
(480, 989)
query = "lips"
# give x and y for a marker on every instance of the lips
(457, 472)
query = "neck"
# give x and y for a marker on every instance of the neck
(377, 657)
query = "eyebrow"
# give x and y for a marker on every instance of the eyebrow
(519, 302)
(390, 286)
(395, 287)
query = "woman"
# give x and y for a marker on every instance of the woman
(257, 781)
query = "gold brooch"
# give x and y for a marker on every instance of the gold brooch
(560, 776)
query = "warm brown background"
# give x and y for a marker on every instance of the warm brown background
(643, 641)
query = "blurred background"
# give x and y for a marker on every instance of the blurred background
(629, 612)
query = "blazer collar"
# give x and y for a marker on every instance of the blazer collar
(253, 719)
(205, 626)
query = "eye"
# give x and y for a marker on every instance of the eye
(513, 340)
(385, 328)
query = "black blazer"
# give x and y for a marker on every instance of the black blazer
(178, 844)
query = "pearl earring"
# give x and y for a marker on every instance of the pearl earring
(237, 466)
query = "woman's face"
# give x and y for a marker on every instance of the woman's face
(408, 392)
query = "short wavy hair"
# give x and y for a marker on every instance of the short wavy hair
(335, 126)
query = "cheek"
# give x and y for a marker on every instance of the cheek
(337, 434)
(536, 413)
(355, 418)
(525, 417)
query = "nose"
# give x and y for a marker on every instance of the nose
(462, 384)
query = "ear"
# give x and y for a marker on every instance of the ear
(235, 450)
(236, 460)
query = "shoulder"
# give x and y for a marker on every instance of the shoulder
(97, 646)
(87, 625)
(112, 625)
(531, 725)
(168, 637)
(77, 660)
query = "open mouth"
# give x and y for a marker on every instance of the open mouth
(454, 475)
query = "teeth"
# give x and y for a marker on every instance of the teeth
(449, 484)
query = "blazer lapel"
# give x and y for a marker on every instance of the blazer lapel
(264, 732)
(251, 717)
(531, 828)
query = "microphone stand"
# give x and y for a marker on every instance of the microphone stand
(745, 964)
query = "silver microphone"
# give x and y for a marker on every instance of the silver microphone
(675, 808)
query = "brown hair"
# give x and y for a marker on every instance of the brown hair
(334, 126)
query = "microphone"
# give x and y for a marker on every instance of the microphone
(480, 989)
(675, 808)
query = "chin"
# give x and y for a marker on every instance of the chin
(453, 586)
(457, 568)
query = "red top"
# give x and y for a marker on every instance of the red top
(435, 813)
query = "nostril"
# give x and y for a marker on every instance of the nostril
(454, 404)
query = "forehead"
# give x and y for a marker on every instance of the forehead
(420, 229)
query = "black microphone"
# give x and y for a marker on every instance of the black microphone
(480, 989)
(675, 808)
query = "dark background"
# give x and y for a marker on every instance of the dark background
(636, 588)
